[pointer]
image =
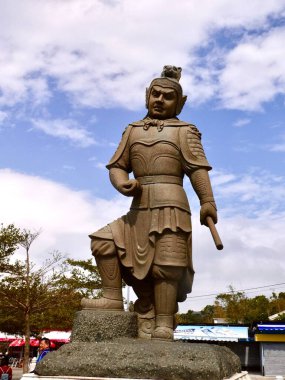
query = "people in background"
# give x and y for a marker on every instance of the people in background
(44, 348)
(5, 369)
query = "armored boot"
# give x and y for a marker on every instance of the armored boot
(112, 298)
(144, 309)
(165, 292)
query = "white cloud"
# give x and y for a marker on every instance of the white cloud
(255, 193)
(220, 178)
(93, 50)
(100, 165)
(68, 167)
(65, 129)
(251, 223)
(254, 71)
(280, 146)
(252, 257)
(241, 122)
(253, 246)
(3, 116)
(97, 164)
(65, 216)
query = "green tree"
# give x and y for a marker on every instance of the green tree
(258, 309)
(24, 295)
(28, 294)
(35, 299)
(84, 277)
(190, 317)
(207, 314)
(52, 305)
(277, 304)
(234, 304)
(235, 307)
(10, 238)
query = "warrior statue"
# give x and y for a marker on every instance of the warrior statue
(150, 247)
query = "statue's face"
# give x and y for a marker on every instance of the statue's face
(162, 102)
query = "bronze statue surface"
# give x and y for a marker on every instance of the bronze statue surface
(150, 247)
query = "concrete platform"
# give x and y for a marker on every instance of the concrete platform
(18, 374)
(239, 376)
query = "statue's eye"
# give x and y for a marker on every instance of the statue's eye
(169, 96)
(155, 94)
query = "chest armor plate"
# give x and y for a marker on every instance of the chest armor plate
(154, 152)
(157, 153)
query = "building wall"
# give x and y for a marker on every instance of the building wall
(248, 352)
(273, 359)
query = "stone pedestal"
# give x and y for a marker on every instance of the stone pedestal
(100, 325)
(104, 345)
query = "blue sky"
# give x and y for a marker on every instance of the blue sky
(73, 75)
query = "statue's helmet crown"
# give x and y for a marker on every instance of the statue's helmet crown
(170, 77)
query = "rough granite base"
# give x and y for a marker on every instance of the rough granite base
(113, 356)
(141, 359)
(100, 325)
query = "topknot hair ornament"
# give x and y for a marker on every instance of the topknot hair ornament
(171, 72)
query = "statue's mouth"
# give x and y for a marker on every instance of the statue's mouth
(158, 108)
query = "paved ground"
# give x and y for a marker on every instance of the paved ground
(256, 376)
(17, 373)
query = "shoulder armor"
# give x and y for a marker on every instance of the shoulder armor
(139, 123)
(121, 147)
(191, 146)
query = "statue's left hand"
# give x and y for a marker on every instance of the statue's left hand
(130, 188)
(120, 180)
(208, 209)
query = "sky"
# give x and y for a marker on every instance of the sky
(73, 74)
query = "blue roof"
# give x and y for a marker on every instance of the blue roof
(274, 328)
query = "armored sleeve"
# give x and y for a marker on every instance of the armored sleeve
(121, 158)
(193, 155)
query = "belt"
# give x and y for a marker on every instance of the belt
(153, 179)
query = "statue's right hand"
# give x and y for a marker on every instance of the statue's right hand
(130, 188)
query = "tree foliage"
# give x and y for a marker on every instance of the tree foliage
(10, 238)
(236, 307)
(188, 318)
(36, 298)
(83, 277)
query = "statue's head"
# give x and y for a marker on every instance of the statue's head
(164, 96)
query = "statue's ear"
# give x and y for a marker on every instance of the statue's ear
(183, 101)
(181, 104)
(146, 97)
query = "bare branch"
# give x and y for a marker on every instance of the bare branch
(28, 237)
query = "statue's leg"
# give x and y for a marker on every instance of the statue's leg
(108, 264)
(143, 290)
(143, 306)
(169, 266)
(165, 295)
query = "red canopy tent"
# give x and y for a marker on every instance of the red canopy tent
(57, 338)
(21, 342)
(6, 337)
